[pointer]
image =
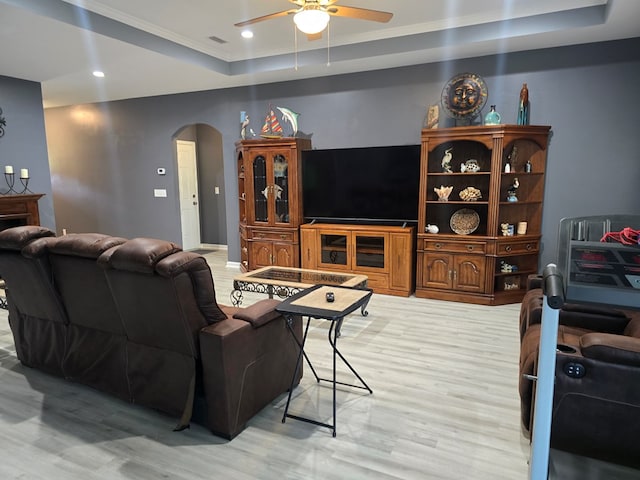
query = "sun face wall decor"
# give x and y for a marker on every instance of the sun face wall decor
(463, 96)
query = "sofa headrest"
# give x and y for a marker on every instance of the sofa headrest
(179, 262)
(88, 245)
(138, 255)
(17, 238)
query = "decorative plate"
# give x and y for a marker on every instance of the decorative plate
(464, 95)
(464, 221)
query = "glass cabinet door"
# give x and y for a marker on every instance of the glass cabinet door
(260, 189)
(333, 249)
(281, 188)
(370, 251)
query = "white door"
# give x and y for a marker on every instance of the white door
(188, 186)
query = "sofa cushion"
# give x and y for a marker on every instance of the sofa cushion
(259, 313)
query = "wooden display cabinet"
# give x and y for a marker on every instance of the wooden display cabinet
(270, 205)
(383, 253)
(470, 259)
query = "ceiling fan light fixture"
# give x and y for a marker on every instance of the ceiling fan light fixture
(311, 21)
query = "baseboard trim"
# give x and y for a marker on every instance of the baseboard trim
(235, 265)
(213, 246)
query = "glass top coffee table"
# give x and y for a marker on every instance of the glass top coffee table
(287, 281)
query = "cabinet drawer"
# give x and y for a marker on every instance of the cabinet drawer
(376, 280)
(455, 247)
(281, 236)
(516, 247)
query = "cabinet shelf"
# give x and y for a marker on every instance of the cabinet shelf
(456, 202)
(458, 174)
(519, 202)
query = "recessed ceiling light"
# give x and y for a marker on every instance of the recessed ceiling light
(98, 73)
(247, 34)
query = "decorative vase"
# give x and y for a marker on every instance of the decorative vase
(493, 117)
(523, 107)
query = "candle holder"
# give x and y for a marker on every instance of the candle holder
(10, 179)
(25, 184)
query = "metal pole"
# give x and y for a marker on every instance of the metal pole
(543, 405)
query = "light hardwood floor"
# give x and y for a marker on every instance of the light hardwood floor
(445, 406)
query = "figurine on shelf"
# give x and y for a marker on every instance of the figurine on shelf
(511, 193)
(446, 161)
(523, 108)
(244, 123)
(470, 165)
(507, 229)
(443, 192)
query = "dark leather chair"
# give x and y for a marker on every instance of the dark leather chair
(37, 316)
(95, 351)
(596, 402)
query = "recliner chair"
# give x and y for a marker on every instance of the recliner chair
(596, 402)
(37, 316)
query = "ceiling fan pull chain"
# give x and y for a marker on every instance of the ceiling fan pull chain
(328, 45)
(295, 47)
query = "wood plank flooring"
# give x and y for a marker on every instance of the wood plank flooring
(445, 406)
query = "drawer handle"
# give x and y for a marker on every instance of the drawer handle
(529, 246)
(508, 248)
(470, 248)
(283, 236)
(438, 245)
(260, 235)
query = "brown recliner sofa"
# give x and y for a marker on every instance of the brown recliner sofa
(156, 335)
(596, 401)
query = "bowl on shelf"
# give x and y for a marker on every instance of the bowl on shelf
(464, 221)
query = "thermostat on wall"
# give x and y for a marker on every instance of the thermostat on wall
(162, 171)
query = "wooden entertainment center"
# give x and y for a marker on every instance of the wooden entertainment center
(477, 245)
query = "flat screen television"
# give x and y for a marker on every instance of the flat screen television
(361, 185)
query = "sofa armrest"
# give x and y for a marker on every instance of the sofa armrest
(620, 349)
(259, 313)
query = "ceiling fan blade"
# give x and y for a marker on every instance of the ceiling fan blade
(284, 13)
(360, 13)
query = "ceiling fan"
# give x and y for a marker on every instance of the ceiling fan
(312, 16)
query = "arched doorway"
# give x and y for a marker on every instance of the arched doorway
(210, 181)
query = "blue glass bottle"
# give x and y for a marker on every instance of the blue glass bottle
(493, 117)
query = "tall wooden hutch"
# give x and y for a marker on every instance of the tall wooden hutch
(477, 256)
(270, 200)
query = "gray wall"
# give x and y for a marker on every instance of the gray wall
(24, 144)
(103, 156)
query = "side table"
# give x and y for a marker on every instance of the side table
(313, 303)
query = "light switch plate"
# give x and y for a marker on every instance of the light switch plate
(159, 192)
